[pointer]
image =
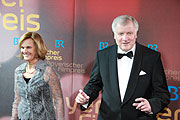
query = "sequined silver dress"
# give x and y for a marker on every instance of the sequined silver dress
(41, 98)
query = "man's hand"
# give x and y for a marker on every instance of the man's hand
(143, 105)
(82, 98)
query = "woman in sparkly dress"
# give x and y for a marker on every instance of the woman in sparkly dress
(38, 94)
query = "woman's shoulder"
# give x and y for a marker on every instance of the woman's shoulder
(21, 67)
(44, 66)
(41, 64)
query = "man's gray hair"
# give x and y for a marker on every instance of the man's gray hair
(123, 20)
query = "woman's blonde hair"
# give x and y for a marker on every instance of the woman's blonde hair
(41, 48)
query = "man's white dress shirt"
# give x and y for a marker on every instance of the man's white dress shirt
(124, 66)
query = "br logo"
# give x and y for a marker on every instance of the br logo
(15, 41)
(103, 45)
(59, 43)
(153, 46)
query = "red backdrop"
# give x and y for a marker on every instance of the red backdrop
(74, 30)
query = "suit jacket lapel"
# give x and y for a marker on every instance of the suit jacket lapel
(133, 79)
(113, 76)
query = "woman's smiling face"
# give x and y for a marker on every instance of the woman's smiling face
(28, 50)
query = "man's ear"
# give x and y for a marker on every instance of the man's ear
(114, 35)
(136, 34)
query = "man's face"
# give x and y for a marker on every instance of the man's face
(125, 36)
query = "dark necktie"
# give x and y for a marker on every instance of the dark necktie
(129, 54)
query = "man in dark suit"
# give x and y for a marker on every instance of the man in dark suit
(131, 77)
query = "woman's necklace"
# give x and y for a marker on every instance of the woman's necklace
(30, 71)
(32, 64)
